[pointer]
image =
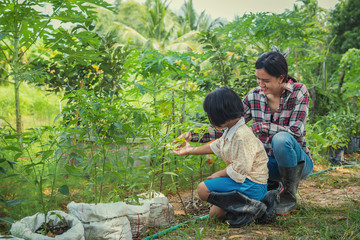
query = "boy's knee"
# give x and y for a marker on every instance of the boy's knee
(203, 191)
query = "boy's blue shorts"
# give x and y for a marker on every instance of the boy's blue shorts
(226, 184)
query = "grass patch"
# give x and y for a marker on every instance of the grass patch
(307, 222)
(38, 107)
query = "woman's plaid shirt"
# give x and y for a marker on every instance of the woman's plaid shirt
(290, 117)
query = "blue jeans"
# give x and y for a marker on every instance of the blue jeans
(288, 153)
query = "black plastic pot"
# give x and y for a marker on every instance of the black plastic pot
(352, 146)
(336, 156)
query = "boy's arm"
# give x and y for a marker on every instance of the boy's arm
(188, 150)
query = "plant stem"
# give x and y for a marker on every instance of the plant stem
(96, 182)
(164, 148)
(103, 173)
(297, 66)
(178, 193)
(17, 82)
(201, 165)
(43, 204)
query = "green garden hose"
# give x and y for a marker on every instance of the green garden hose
(175, 227)
(332, 168)
(207, 216)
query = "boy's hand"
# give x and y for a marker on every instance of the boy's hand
(221, 173)
(214, 175)
(183, 149)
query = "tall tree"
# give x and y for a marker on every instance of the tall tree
(345, 20)
(153, 25)
(189, 20)
(23, 23)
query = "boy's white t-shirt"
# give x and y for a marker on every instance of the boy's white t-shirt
(243, 153)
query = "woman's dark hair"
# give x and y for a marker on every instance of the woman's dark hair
(274, 64)
(223, 105)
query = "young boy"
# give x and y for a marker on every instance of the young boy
(246, 171)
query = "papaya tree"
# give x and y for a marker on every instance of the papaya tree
(24, 25)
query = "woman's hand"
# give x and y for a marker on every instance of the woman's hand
(183, 149)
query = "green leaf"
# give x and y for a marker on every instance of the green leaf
(170, 173)
(64, 189)
(76, 156)
(118, 125)
(3, 35)
(131, 160)
(2, 170)
(11, 163)
(89, 187)
(138, 121)
(136, 198)
(56, 214)
(47, 154)
(11, 136)
(16, 157)
(10, 176)
(11, 203)
(72, 170)
(57, 117)
(7, 220)
(12, 148)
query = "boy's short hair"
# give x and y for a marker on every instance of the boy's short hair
(223, 105)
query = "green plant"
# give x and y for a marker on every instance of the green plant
(102, 123)
(45, 149)
(23, 25)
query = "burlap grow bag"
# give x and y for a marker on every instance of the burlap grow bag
(26, 227)
(138, 216)
(10, 237)
(161, 211)
(105, 221)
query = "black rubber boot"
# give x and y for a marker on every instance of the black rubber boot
(290, 179)
(271, 200)
(274, 185)
(240, 209)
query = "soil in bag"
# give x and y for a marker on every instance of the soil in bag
(51, 230)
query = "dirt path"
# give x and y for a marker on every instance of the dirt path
(331, 188)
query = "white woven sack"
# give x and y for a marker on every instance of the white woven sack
(102, 221)
(9, 237)
(161, 211)
(109, 229)
(26, 227)
(89, 212)
(138, 216)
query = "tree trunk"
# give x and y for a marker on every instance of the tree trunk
(17, 83)
(312, 92)
(183, 109)
(324, 75)
(17, 107)
(297, 66)
(341, 80)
